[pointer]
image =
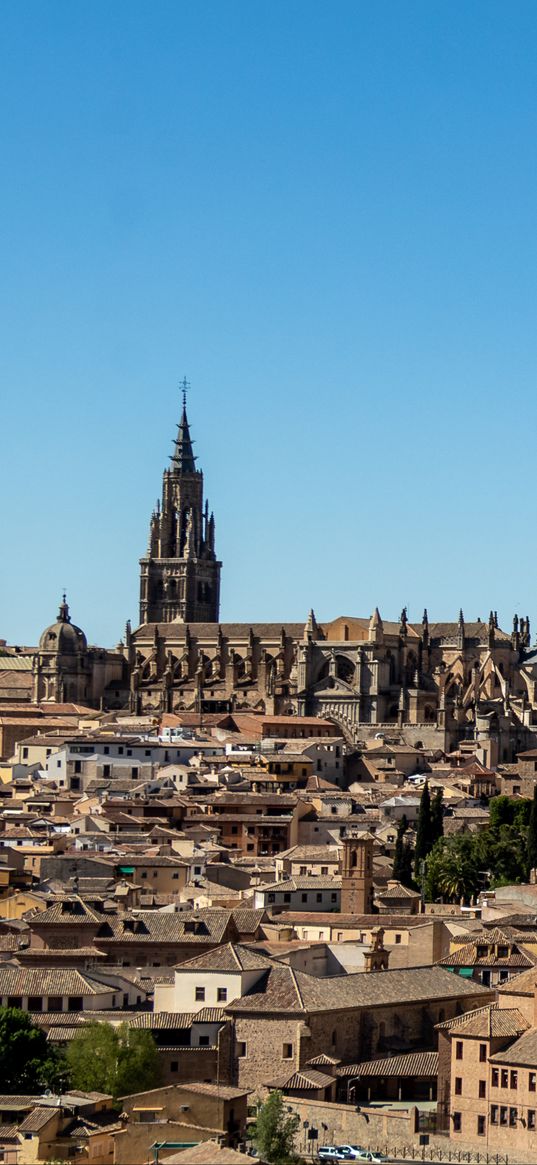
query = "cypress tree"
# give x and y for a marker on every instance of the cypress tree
(437, 816)
(532, 833)
(424, 840)
(399, 856)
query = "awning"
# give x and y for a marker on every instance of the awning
(466, 972)
(126, 869)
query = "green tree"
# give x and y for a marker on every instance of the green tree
(423, 831)
(452, 870)
(275, 1130)
(402, 861)
(118, 1060)
(437, 816)
(27, 1063)
(532, 833)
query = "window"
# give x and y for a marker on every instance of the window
(503, 1114)
(532, 1081)
(143, 874)
(106, 770)
(241, 1049)
(494, 1111)
(24, 753)
(513, 1115)
(333, 897)
(78, 766)
(458, 1086)
(204, 1042)
(482, 1053)
(75, 1003)
(504, 1078)
(175, 877)
(457, 1122)
(398, 938)
(199, 994)
(304, 897)
(234, 829)
(287, 897)
(318, 897)
(302, 871)
(324, 871)
(495, 1077)
(174, 1066)
(481, 1126)
(482, 1089)
(221, 994)
(531, 1118)
(54, 1003)
(35, 1003)
(14, 1001)
(271, 897)
(287, 1052)
(514, 1079)
(458, 1050)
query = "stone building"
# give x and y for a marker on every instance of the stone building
(427, 683)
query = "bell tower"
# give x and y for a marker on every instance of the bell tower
(357, 874)
(180, 574)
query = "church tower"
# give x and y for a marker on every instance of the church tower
(357, 873)
(180, 575)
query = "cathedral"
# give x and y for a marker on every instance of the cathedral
(427, 683)
(432, 684)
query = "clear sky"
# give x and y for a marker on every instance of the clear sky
(324, 214)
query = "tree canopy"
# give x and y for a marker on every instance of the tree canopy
(275, 1130)
(27, 1062)
(117, 1060)
(458, 866)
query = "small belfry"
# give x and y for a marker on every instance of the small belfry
(180, 574)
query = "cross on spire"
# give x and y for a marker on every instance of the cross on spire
(185, 387)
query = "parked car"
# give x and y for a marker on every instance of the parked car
(331, 1153)
(372, 1156)
(351, 1152)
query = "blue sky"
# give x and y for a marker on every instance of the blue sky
(324, 215)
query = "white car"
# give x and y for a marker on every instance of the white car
(351, 1152)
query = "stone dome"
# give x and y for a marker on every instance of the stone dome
(63, 637)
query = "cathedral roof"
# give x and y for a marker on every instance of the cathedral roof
(63, 637)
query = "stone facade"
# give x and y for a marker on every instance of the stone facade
(424, 683)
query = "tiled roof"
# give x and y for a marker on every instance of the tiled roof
(228, 957)
(417, 1064)
(281, 989)
(209, 927)
(211, 1153)
(36, 1120)
(247, 920)
(42, 981)
(307, 1079)
(487, 1022)
(467, 956)
(303, 882)
(522, 984)
(523, 1052)
(397, 892)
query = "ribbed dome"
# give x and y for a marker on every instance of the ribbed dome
(63, 637)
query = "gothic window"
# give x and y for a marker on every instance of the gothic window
(344, 668)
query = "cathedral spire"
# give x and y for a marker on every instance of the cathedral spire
(183, 459)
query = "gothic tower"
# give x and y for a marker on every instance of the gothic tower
(357, 874)
(180, 575)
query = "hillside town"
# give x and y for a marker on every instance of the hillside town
(244, 866)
